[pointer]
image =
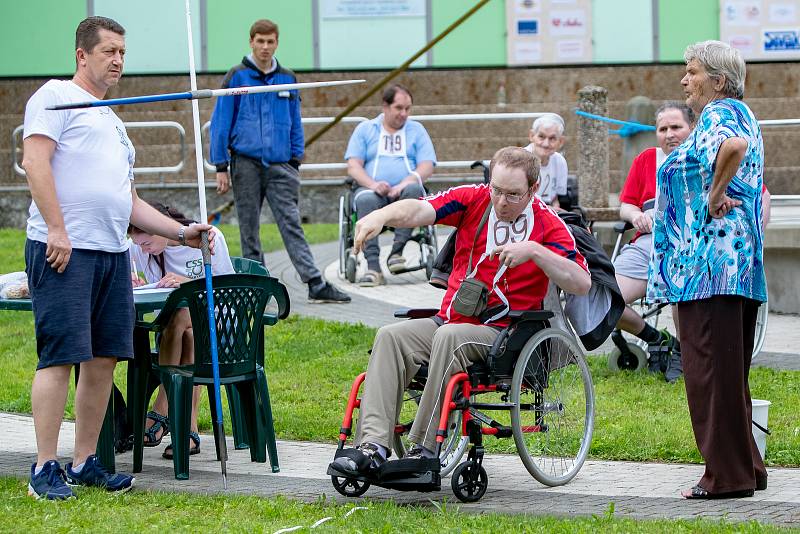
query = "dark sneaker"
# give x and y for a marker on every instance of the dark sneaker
(94, 474)
(49, 483)
(362, 460)
(328, 293)
(674, 365)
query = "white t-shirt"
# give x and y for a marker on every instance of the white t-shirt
(185, 261)
(552, 177)
(92, 168)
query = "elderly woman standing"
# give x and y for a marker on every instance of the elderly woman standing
(707, 258)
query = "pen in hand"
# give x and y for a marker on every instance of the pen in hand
(135, 280)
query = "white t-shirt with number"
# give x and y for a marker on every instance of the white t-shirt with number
(92, 167)
(552, 177)
(185, 261)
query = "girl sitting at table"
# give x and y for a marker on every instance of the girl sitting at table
(168, 264)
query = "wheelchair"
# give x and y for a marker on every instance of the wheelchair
(534, 386)
(424, 236)
(630, 352)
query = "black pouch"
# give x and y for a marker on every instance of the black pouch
(471, 298)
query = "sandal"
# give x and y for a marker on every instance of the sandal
(371, 279)
(194, 449)
(161, 422)
(698, 492)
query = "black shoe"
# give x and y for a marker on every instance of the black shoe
(761, 483)
(364, 459)
(327, 293)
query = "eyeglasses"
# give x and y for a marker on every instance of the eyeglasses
(511, 198)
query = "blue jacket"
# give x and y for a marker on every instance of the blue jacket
(263, 126)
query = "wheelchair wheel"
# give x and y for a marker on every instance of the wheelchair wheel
(349, 487)
(761, 328)
(350, 266)
(344, 232)
(553, 414)
(469, 481)
(452, 449)
(636, 360)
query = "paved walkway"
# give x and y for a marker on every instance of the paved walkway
(637, 490)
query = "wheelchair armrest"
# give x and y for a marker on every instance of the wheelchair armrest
(349, 181)
(415, 313)
(621, 227)
(530, 315)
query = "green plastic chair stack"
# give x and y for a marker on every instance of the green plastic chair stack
(239, 303)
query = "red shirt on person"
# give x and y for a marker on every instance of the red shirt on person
(524, 286)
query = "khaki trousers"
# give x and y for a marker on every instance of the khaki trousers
(399, 351)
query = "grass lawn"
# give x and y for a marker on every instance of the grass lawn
(140, 511)
(311, 364)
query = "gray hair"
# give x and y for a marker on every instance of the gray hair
(688, 113)
(720, 59)
(548, 119)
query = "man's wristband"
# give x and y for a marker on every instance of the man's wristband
(222, 167)
(182, 235)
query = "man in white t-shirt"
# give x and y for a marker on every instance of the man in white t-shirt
(546, 139)
(79, 165)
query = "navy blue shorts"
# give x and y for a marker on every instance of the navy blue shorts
(84, 312)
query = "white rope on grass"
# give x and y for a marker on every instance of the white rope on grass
(319, 522)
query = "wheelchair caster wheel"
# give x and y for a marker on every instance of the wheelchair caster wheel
(634, 360)
(469, 481)
(349, 487)
(350, 268)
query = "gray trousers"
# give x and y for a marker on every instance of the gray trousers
(399, 351)
(280, 185)
(366, 201)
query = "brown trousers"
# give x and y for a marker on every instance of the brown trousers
(400, 349)
(717, 337)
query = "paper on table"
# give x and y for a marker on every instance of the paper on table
(144, 290)
(146, 286)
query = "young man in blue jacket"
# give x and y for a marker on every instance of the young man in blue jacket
(257, 146)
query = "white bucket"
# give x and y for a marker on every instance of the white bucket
(760, 416)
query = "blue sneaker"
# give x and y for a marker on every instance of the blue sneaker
(94, 474)
(49, 483)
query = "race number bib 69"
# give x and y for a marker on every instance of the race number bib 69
(515, 232)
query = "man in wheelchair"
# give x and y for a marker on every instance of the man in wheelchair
(389, 158)
(510, 245)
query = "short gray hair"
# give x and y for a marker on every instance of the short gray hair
(688, 113)
(548, 119)
(720, 59)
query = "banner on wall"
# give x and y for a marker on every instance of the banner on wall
(372, 8)
(761, 29)
(549, 31)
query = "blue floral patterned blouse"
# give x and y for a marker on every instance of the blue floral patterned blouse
(695, 256)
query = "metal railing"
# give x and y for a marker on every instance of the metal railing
(169, 169)
(340, 166)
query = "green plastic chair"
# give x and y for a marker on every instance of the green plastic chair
(248, 266)
(239, 302)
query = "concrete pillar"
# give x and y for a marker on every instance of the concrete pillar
(642, 110)
(593, 149)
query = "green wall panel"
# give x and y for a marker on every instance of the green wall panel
(481, 40)
(683, 22)
(39, 40)
(229, 31)
(155, 44)
(622, 30)
(370, 42)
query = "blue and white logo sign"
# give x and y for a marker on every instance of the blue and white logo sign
(527, 27)
(781, 40)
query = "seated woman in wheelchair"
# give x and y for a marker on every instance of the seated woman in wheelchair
(389, 157)
(511, 245)
(674, 123)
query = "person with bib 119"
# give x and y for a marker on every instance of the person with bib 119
(389, 157)
(510, 243)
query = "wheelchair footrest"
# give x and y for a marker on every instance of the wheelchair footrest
(403, 475)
